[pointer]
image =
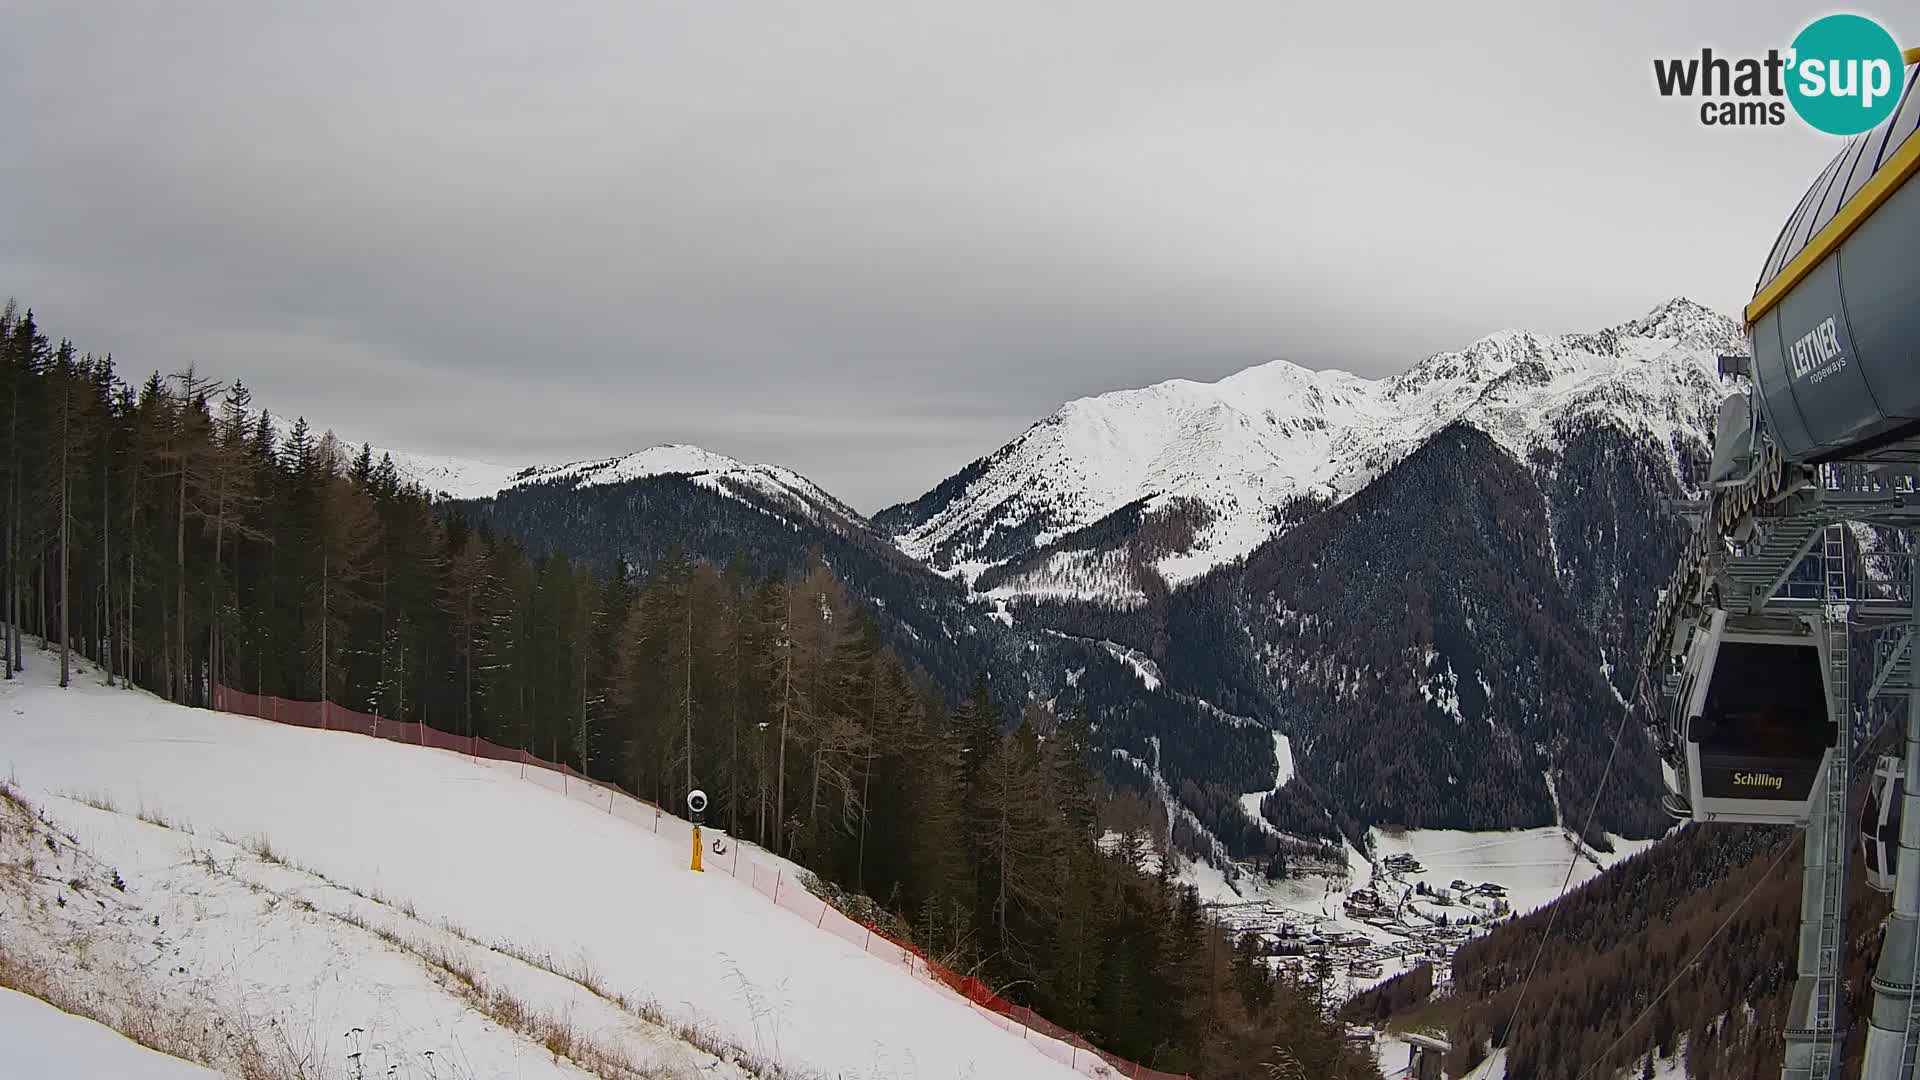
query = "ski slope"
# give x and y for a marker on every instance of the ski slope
(1282, 772)
(37, 1039)
(439, 841)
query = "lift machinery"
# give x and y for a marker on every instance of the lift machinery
(1752, 650)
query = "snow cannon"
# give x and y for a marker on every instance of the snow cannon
(1835, 317)
(1754, 718)
(697, 808)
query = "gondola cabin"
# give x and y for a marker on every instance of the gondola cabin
(1880, 823)
(1758, 722)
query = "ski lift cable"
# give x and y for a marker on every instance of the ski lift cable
(1692, 961)
(1861, 753)
(1553, 915)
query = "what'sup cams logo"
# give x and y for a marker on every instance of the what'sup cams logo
(1842, 75)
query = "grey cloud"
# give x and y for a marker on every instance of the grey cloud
(867, 240)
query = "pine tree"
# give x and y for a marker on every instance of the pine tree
(347, 540)
(231, 501)
(72, 409)
(28, 354)
(229, 556)
(467, 598)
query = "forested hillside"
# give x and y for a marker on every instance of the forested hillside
(1450, 647)
(1684, 952)
(167, 532)
(1730, 894)
(1205, 758)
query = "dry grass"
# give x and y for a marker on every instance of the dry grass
(10, 795)
(553, 1031)
(557, 1033)
(363, 924)
(155, 816)
(262, 849)
(242, 1048)
(185, 1029)
(181, 1026)
(99, 801)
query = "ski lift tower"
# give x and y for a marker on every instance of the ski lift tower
(1752, 648)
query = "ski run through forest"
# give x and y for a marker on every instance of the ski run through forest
(179, 540)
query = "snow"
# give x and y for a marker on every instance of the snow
(1070, 575)
(1494, 1068)
(1142, 665)
(290, 961)
(1391, 1055)
(37, 1039)
(443, 475)
(667, 460)
(385, 830)
(1246, 445)
(1282, 772)
(453, 477)
(1667, 1068)
(1529, 864)
(715, 472)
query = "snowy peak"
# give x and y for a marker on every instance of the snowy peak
(669, 459)
(1689, 325)
(1236, 456)
(1480, 363)
(772, 487)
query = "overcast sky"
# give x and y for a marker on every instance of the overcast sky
(871, 241)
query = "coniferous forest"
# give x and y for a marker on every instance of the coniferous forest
(178, 538)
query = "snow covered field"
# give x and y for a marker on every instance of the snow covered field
(314, 881)
(1529, 863)
(40, 1040)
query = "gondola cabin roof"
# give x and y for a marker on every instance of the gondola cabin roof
(1835, 317)
(1854, 184)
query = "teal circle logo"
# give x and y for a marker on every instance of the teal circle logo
(1845, 75)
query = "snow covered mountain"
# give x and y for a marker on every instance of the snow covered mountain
(460, 478)
(1206, 472)
(766, 486)
(1547, 457)
(772, 487)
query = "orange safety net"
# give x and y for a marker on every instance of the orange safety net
(770, 881)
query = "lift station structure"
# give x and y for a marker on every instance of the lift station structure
(1790, 621)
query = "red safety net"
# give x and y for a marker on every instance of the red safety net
(770, 881)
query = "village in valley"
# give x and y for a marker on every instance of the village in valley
(1369, 932)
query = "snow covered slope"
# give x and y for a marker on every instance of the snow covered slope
(1229, 456)
(716, 472)
(470, 478)
(37, 1039)
(310, 836)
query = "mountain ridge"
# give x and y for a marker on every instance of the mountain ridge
(1244, 447)
(1067, 599)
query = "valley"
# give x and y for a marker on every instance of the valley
(1355, 699)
